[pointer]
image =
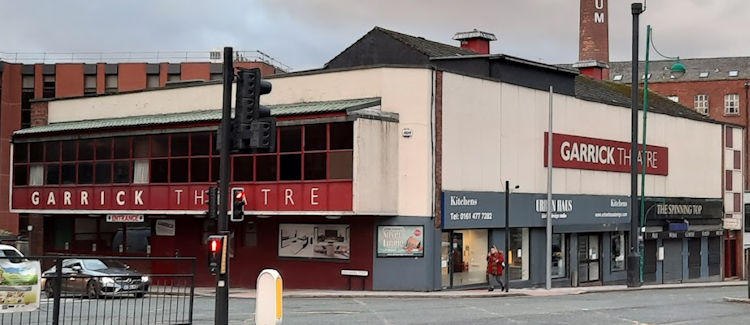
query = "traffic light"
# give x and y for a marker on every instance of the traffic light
(253, 127)
(213, 208)
(217, 248)
(239, 201)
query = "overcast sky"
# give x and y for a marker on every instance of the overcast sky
(305, 34)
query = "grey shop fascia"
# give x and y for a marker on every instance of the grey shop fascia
(570, 213)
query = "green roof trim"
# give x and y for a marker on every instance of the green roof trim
(202, 116)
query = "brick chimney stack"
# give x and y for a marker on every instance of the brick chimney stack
(593, 54)
(476, 40)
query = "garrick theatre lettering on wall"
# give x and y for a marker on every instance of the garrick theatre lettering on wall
(575, 152)
(275, 197)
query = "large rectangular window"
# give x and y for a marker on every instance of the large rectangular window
(315, 152)
(618, 252)
(731, 104)
(558, 256)
(701, 103)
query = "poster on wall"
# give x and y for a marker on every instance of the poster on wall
(19, 286)
(324, 241)
(400, 241)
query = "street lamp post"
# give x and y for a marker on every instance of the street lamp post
(633, 261)
(677, 71)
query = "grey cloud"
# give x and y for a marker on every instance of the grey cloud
(307, 33)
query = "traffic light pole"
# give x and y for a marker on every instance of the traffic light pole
(221, 313)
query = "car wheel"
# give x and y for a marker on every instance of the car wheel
(92, 290)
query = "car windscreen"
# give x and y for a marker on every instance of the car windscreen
(94, 265)
(12, 253)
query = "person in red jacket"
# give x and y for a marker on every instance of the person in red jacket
(495, 268)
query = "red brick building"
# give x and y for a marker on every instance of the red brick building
(21, 83)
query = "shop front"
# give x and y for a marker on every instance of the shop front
(683, 240)
(588, 241)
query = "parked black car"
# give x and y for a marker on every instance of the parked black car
(96, 278)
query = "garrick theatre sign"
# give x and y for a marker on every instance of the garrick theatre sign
(335, 196)
(570, 213)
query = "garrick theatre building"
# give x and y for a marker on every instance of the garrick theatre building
(397, 170)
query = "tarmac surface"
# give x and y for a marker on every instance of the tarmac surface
(471, 293)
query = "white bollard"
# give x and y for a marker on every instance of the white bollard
(268, 300)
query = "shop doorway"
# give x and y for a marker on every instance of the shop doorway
(694, 258)
(672, 266)
(650, 255)
(463, 257)
(588, 258)
(730, 256)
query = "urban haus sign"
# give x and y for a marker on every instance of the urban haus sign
(570, 151)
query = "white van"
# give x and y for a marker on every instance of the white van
(10, 251)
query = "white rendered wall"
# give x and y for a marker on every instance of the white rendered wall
(494, 131)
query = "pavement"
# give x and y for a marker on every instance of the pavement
(470, 293)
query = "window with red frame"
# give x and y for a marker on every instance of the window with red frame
(314, 152)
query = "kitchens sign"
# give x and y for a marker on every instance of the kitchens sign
(570, 151)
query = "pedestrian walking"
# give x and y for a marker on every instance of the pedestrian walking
(495, 266)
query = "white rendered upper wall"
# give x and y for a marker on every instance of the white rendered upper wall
(494, 132)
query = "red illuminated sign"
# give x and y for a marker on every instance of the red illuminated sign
(570, 151)
(323, 196)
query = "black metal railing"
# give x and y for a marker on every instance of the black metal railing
(106, 290)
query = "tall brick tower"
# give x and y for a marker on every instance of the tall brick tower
(593, 54)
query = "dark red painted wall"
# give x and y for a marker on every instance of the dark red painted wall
(296, 273)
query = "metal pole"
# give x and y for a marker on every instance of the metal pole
(643, 156)
(548, 282)
(633, 254)
(507, 235)
(57, 291)
(221, 314)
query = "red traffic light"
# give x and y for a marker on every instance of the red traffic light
(239, 195)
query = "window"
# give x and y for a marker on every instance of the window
(558, 255)
(173, 77)
(734, 73)
(152, 81)
(618, 252)
(27, 94)
(316, 152)
(703, 75)
(674, 98)
(747, 217)
(617, 77)
(217, 76)
(110, 83)
(48, 90)
(731, 104)
(89, 85)
(701, 103)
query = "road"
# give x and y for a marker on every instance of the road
(665, 306)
